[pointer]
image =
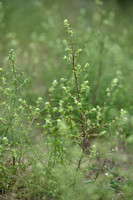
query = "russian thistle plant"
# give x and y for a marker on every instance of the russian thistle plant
(71, 117)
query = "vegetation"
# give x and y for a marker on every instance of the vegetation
(72, 138)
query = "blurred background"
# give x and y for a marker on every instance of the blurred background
(25, 17)
(103, 29)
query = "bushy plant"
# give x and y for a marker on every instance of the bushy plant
(79, 142)
(74, 142)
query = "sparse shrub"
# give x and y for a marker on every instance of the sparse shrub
(74, 144)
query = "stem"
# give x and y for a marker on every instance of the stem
(78, 92)
(14, 74)
(79, 162)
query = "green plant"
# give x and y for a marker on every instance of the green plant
(71, 145)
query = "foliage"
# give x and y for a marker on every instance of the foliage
(75, 141)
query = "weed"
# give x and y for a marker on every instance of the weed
(72, 144)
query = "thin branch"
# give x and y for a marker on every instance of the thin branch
(78, 91)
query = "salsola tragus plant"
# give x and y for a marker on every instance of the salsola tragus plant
(66, 122)
(72, 117)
